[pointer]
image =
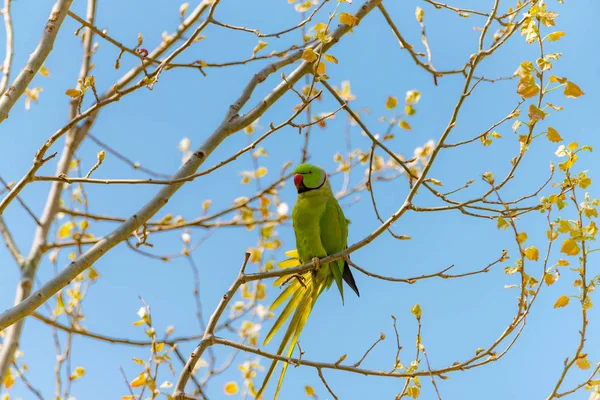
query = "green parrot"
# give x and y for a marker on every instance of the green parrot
(321, 230)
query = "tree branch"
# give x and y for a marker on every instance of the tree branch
(36, 60)
(6, 66)
(10, 243)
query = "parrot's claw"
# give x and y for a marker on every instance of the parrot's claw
(316, 262)
(297, 276)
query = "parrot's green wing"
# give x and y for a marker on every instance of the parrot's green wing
(334, 237)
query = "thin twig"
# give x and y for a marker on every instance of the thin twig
(320, 372)
(276, 34)
(28, 384)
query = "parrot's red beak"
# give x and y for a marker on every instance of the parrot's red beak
(297, 180)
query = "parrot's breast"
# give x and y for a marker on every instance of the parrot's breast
(306, 218)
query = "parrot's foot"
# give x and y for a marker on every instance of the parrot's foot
(296, 276)
(316, 262)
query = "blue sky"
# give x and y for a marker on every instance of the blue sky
(458, 315)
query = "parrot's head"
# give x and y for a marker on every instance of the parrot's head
(309, 177)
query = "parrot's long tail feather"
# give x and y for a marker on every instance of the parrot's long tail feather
(349, 279)
(302, 299)
(287, 311)
(311, 299)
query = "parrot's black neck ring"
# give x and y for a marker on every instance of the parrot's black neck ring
(304, 189)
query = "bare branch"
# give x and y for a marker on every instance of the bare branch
(276, 34)
(7, 65)
(184, 179)
(325, 383)
(110, 339)
(208, 337)
(36, 60)
(28, 384)
(126, 160)
(10, 243)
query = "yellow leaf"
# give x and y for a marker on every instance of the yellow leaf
(391, 102)
(413, 391)
(167, 219)
(139, 381)
(182, 9)
(489, 177)
(128, 397)
(554, 36)
(9, 379)
(309, 391)
(205, 205)
(564, 226)
(74, 93)
(555, 108)
(92, 274)
(572, 90)
(548, 278)
(409, 110)
(582, 362)
(348, 19)
(521, 237)
(261, 294)
(261, 45)
(138, 361)
(404, 125)
(572, 146)
(330, 58)
(570, 247)
(321, 68)
(412, 97)
(158, 347)
(525, 69)
(230, 388)
(89, 81)
(553, 135)
(584, 183)
(416, 311)
(44, 71)
(78, 373)
(309, 55)
(260, 172)
(561, 302)
(527, 87)
(419, 14)
(302, 7)
(502, 224)
(535, 113)
(65, 230)
(485, 140)
(532, 253)
(562, 262)
(255, 255)
(511, 270)
(554, 78)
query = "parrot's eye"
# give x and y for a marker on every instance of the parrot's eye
(310, 171)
